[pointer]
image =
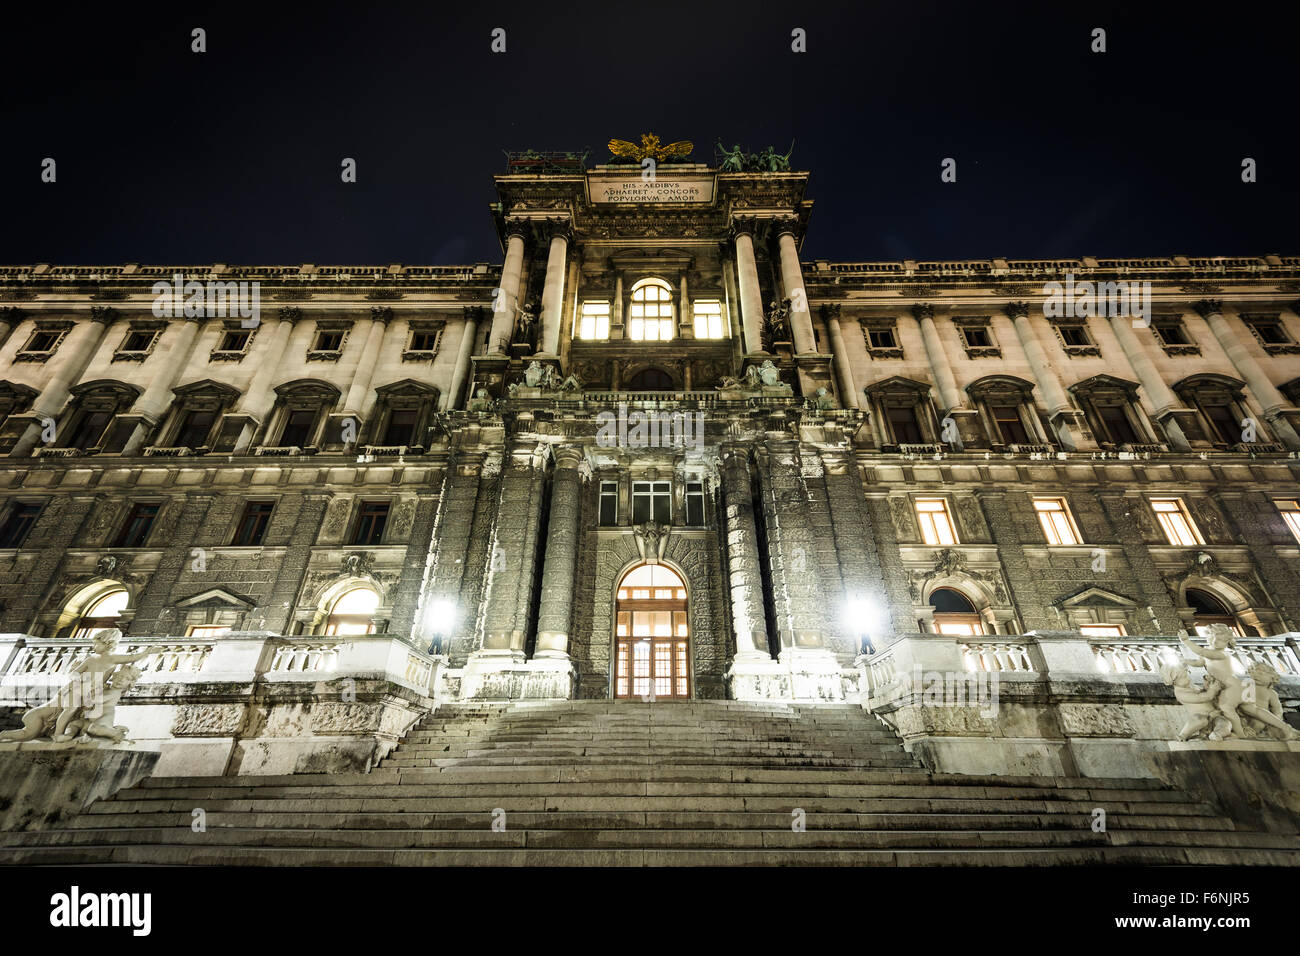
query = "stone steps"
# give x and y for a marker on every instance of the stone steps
(607, 784)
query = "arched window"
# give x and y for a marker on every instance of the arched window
(1210, 610)
(353, 612)
(954, 613)
(651, 316)
(652, 634)
(101, 614)
(649, 380)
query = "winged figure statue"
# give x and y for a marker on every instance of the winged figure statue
(650, 148)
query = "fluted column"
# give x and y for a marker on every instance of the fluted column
(54, 394)
(506, 304)
(463, 353)
(751, 299)
(840, 357)
(561, 560)
(1162, 396)
(1266, 393)
(153, 403)
(792, 279)
(553, 289)
(359, 390)
(940, 366)
(1058, 404)
(745, 579)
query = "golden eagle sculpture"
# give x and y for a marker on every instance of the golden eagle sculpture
(650, 149)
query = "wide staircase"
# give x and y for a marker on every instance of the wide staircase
(632, 783)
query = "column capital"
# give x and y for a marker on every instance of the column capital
(742, 226)
(473, 313)
(103, 314)
(516, 226)
(922, 311)
(569, 457)
(381, 313)
(11, 315)
(786, 226)
(830, 310)
(290, 314)
(1017, 310)
(556, 227)
(1208, 307)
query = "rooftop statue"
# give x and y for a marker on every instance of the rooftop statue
(650, 149)
(736, 160)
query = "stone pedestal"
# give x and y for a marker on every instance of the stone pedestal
(799, 675)
(1254, 782)
(508, 675)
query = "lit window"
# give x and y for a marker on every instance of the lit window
(353, 612)
(651, 317)
(594, 321)
(708, 319)
(652, 501)
(101, 615)
(936, 523)
(955, 614)
(1102, 630)
(1175, 521)
(1291, 515)
(1058, 525)
(207, 630)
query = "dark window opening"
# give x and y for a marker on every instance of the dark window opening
(328, 341)
(1271, 333)
(650, 379)
(1224, 422)
(1009, 424)
(977, 338)
(195, 427)
(694, 503)
(423, 341)
(233, 340)
(371, 519)
(253, 523)
(298, 428)
(400, 429)
(18, 524)
(138, 341)
(138, 524)
(608, 503)
(1074, 335)
(882, 338)
(1173, 334)
(1118, 428)
(904, 426)
(652, 501)
(41, 342)
(89, 429)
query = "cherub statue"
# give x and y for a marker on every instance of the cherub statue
(103, 727)
(550, 378)
(533, 374)
(1232, 698)
(53, 718)
(769, 374)
(1204, 716)
(1266, 699)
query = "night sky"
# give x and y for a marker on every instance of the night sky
(167, 156)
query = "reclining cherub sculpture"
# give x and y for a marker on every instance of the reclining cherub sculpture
(1247, 707)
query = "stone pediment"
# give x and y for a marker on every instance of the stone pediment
(215, 599)
(1097, 597)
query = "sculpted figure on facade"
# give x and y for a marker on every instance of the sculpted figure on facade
(1236, 697)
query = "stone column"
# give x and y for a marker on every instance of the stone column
(1059, 408)
(511, 563)
(255, 404)
(553, 289)
(463, 353)
(506, 304)
(792, 279)
(953, 399)
(840, 356)
(358, 396)
(1167, 408)
(561, 561)
(153, 403)
(748, 618)
(751, 299)
(616, 317)
(685, 321)
(1270, 399)
(66, 374)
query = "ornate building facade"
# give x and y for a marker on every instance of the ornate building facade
(657, 454)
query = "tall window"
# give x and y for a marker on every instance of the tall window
(1116, 425)
(18, 524)
(609, 503)
(593, 323)
(253, 523)
(651, 316)
(299, 425)
(1176, 521)
(708, 319)
(1009, 424)
(1058, 524)
(353, 612)
(195, 428)
(903, 426)
(1210, 610)
(694, 503)
(936, 522)
(954, 613)
(135, 532)
(372, 516)
(652, 635)
(101, 614)
(652, 501)
(1290, 511)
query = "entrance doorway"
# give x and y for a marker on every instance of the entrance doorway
(652, 635)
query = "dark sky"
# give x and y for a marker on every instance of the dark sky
(167, 156)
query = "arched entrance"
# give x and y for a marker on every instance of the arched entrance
(652, 634)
